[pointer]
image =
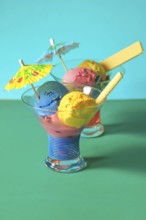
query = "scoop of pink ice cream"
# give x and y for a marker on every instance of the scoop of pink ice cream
(80, 75)
(56, 128)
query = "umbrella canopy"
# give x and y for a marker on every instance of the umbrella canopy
(57, 49)
(28, 74)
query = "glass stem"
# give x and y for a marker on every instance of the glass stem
(63, 148)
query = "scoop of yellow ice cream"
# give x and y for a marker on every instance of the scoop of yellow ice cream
(76, 109)
(96, 67)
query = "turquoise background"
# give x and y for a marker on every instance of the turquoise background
(101, 27)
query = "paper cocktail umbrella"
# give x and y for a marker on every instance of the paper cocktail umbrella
(57, 49)
(28, 74)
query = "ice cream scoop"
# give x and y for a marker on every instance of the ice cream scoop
(76, 108)
(50, 94)
(80, 75)
(56, 128)
(94, 66)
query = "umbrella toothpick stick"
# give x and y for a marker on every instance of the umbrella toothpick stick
(60, 57)
(35, 91)
(58, 54)
(22, 64)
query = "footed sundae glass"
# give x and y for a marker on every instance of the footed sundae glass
(63, 140)
(94, 128)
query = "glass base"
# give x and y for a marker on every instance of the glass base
(66, 166)
(94, 131)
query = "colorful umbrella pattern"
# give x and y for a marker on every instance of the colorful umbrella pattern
(28, 74)
(57, 49)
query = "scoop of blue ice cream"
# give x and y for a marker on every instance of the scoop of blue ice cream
(50, 94)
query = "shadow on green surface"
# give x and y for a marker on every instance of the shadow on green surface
(129, 159)
(130, 123)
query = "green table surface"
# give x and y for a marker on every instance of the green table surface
(113, 186)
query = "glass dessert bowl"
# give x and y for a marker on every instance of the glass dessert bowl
(95, 127)
(63, 127)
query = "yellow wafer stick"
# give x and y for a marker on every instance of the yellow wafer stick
(122, 56)
(111, 85)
